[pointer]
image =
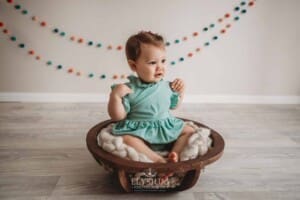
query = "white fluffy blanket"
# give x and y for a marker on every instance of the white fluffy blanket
(198, 144)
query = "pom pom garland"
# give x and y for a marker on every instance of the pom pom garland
(195, 34)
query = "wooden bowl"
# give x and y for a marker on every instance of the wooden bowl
(140, 176)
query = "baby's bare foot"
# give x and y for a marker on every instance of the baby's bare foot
(173, 157)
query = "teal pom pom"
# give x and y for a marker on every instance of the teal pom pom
(22, 45)
(59, 66)
(91, 75)
(13, 38)
(18, 7)
(103, 76)
(56, 30)
(24, 12)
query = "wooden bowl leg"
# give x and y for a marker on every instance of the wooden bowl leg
(124, 180)
(190, 179)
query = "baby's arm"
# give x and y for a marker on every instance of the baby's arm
(178, 86)
(116, 108)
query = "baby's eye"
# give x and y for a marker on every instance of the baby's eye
(152, 63)
(164, 60)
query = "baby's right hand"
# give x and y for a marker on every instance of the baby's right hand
(121, 90)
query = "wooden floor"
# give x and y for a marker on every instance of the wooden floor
(43, 153)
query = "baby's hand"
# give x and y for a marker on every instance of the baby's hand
(121, 90)
(178, 85)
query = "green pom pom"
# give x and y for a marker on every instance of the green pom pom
(212, 25)
(205, 29)
(173, 63)
(18, 7)
(243, 3)
(24, 12)
(62, 34)
(177, 41)
(90, 43)
(168, 43)
(236, 18)
(59, 66)
(206, 43)
(13, 38)
(103, 76)
(56, 30)
(237, 8)
(181, 59)
(91, 75)
(99, 45)
(215, 37)
(49, 62)
(22, 45)
(244, 11)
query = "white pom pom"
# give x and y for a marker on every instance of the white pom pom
(203, 149)
(189, 152)
(204, 132)
(106, 136)
(118, 142)
(108, 147)
(132, 154)
(192, 139)
(121, 153)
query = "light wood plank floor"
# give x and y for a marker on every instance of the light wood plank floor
(43, 153)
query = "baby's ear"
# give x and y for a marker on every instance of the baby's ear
(132, 65)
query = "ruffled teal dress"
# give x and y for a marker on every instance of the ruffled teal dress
(148, 112)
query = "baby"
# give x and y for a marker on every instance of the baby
(141, 107)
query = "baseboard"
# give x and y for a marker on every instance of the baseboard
(103, 98)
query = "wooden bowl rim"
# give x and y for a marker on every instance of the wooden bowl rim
(212, 155)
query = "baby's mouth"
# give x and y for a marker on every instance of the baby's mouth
(157, 75)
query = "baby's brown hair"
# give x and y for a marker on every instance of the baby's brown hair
(133, 44)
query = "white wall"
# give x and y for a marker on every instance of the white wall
(258, 56)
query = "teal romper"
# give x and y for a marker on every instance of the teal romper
(148, 112)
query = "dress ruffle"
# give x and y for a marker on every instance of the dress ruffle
(161, 131)
(139, 83)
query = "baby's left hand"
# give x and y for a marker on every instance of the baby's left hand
(178, 85)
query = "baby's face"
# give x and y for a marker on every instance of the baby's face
(151, 65)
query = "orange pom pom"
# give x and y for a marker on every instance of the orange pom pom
(115, 76)
(119, 47)
(70, 70)
(43, 23)
(80, 40)
(31, 52)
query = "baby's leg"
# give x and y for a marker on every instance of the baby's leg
(139, 145)
(180, 143)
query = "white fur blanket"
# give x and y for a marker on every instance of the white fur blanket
(198, 144)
